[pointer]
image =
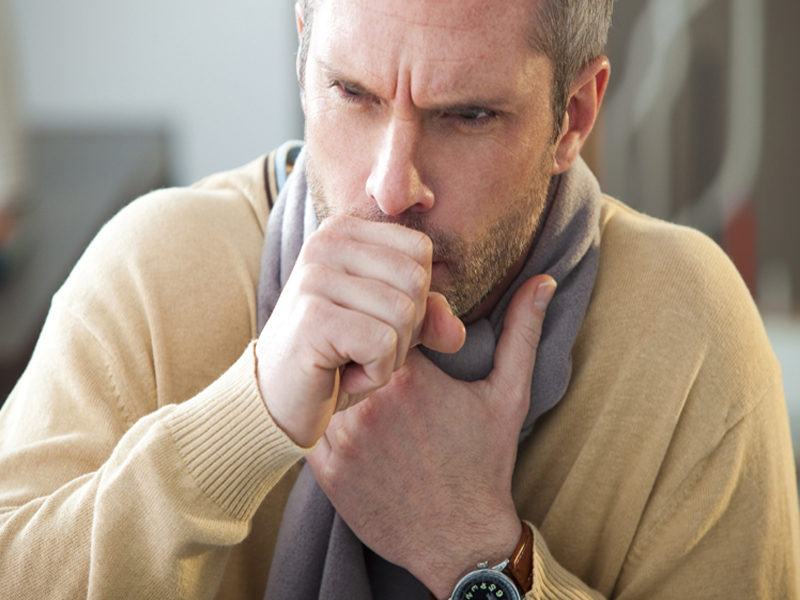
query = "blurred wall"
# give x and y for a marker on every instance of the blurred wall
(699, 126)
(778, 188)
(218, 75)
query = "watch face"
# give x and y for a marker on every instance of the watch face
(485, 584)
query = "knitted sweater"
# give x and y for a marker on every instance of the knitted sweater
(138, 460)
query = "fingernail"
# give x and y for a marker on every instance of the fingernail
(544, 293)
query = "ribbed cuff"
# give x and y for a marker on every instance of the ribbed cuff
(552, 581)
(229, 442)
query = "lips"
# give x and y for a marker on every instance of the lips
(437, 267)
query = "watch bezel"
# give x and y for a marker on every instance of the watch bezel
(473, 576)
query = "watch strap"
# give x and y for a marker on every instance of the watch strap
(520, 563)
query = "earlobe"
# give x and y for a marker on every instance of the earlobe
(586, 96)
(566, 150)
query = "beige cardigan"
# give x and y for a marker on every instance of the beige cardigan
(137, 459)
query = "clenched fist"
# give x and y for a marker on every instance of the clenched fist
(357, 299)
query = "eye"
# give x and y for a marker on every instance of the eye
(474, 116)
(346, 91)
(349, 93)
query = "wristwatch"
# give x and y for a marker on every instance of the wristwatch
(510, 580)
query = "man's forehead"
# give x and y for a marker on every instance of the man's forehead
(464, 19)
(441, 12)
(445, 43)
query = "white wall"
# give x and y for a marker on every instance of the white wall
(219, 75)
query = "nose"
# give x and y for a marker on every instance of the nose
(395, 182)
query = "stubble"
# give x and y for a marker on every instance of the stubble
(475, 268)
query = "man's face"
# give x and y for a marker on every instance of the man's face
(434, 114)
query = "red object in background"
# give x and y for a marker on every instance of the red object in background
(6, 226)
(739, 242)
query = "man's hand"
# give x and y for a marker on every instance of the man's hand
(421, 470)
(358, 297)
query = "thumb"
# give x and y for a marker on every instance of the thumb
(515, 355)
(441, 330)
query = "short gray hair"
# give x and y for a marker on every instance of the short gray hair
(307, 8)
(571, 33)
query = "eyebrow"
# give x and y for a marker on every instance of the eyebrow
(495, 104)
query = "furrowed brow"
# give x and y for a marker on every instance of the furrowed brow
(495, 103)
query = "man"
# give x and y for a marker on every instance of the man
(152, 447)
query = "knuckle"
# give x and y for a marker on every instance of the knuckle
(336, 222)
(405, 309)
(343, 226)
(347, 444)
(368, 413)
(531, 334)
(313, 310)
(402, 381)
(383, 353)
(515, 404)
(418, 280)
(386, 340)
(327, 476)
(322, 240)
(311, 277)
(422, 246)
(315, 247)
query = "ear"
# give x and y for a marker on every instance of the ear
(298, 15)
(299, 18)
(585, 98)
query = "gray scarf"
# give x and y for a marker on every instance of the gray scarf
(317, 556)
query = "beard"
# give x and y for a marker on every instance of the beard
(476, 267)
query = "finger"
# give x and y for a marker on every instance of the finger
(441, 330)
(371, 261)
(356, 386)
(365, 259)
(368, 296)
(404, 240)
(515, 354)
(341, 336)
(301, 395)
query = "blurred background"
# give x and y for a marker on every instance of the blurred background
(101, 102)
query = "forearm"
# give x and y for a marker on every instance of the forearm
(158, 518)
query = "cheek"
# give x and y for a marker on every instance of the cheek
(477, 183)
(340, 146)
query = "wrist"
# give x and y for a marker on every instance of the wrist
(492, 546)
(303, 422)
(511, 579)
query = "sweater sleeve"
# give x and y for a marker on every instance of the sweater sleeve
(551, 581)
(668, 472)
(136, 449)
(728, 531)
(92, 508)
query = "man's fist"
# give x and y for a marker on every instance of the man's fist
(357, 299)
